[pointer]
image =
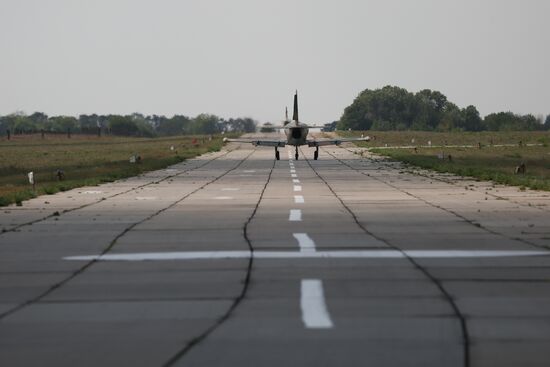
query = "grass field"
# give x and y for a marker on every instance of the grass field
(405, 138)
(86, 160)
(491, 162)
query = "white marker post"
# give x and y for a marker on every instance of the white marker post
(31, 180)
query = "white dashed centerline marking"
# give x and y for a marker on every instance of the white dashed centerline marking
(293, 175)
(298, 199)
(305, 242)
(312, 302)
(295, 215)
(295, 180)
(230, 189)
(223, 198)
(297, 188)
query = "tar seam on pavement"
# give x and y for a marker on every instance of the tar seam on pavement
(437, 283)
(197, 340)
(477, 225)
(114, 241)
(15, 228)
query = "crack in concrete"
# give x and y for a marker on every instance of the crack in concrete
(83, 268)
(237, 301)
(432, 278)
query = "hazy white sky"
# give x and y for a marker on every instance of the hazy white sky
(246, 57)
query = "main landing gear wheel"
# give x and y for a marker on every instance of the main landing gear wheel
(296, 155)
(316, 154)
(277, 155)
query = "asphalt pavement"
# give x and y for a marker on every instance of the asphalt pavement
(235, 259)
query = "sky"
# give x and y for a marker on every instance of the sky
(238, 58)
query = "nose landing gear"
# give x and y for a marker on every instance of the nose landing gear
(316, 154)
(296, 155)
(277, 156)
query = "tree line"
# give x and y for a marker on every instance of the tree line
(394, 108)
(135, 124)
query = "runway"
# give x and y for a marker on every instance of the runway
(235, 259)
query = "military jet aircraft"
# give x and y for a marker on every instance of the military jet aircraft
(296, 135)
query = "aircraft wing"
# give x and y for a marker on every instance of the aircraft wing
(323, 142)
(265, 143)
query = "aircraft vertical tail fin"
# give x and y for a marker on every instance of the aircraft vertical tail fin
(295, 114)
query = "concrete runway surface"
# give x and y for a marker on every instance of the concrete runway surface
(234, 259)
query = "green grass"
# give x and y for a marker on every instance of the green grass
(86, 161)
(489, 163)
(400, 138)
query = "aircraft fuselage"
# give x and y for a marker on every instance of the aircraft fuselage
(296, 133)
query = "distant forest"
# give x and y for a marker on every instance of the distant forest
(394, 108)
(129, 125)
(388, 108)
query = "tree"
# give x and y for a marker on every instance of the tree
(61, 124)
(177, 125)
(122, 125)
(381, 125)
(6, 124)
(23, 125)
(512, 122)
(547, 123)
(206, 124)
(430, 106)
(436, 99)
(39, 119)
(88, 123)
(144, 126)
(355, 117)
(389, 106)
(471, 119)
(529, 122)
(422, 123)
(452, 118)
(16, 123)
(242, 124)
(394, 108)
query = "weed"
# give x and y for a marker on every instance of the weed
(50, 190)
(86, 161)
(491, 164)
